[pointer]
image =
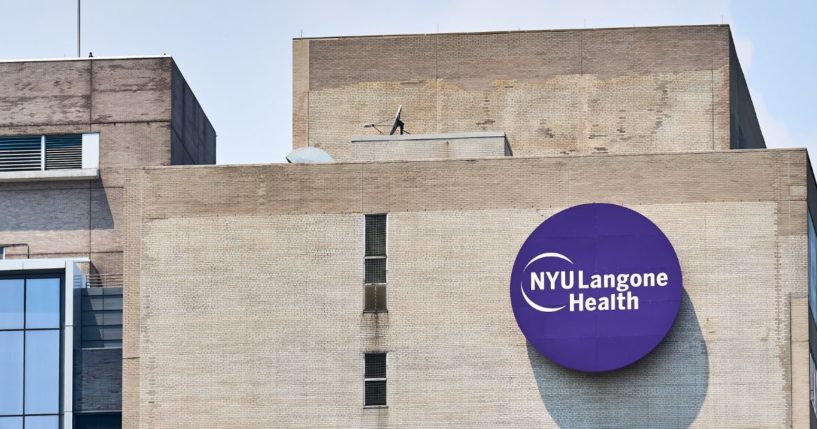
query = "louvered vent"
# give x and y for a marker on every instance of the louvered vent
(21, 153)
(63, 152)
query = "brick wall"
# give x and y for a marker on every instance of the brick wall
(244, 302)
(129, 102)
(553, 92)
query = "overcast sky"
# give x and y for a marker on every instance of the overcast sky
(236, 54)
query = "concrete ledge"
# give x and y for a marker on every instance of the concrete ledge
(470, 145)
(36, 176)
(438, 136)
(38, 264)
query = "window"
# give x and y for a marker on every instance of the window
(49, 152)
(812, 266)
(375, 269)
(812, 373)
(374, 379)
(30, 338)
(97, 421)
(100, 317)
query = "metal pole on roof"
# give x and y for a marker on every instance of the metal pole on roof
(79, 27)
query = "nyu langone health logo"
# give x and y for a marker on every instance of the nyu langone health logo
(596, 287)
(620, 299)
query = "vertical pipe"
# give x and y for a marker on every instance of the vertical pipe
(42, 153)
(79, 27)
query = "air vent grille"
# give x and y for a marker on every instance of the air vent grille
(25, 153)
(63, 152)
(20, 153)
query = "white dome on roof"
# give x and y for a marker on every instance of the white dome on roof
(309, 155)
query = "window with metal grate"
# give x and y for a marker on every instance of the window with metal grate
(20, 153)
(63, 152)
(375, 267)
(374, 379)
(37, 153)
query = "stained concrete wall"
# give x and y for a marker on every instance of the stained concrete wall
(132, 105)
(279, 341)
(429, 146)
(625, 90)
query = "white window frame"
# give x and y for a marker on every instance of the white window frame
(73, 279)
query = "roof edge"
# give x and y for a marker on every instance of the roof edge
(494, 158)
(557, 30)
(122, 57)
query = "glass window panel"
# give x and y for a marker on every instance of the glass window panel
(91, 318)
(11, 372)
(11, 304)
(43, 303)
(112, 333)
(374, 297)
(375, 365)
(812, 266)
(93, 344)
(375, 271)
(375, 235)
(42, 372)
(11, 422)
(375, 393)
(42, 422)
(92, 302)
(98, 421)
(369, 298)
(112, 302)
(91, 333)
(113, 317)
(112, 344)
(380, 297)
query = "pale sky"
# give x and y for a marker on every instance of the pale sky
(236, 55)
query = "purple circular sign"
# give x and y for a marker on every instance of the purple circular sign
(596, 287)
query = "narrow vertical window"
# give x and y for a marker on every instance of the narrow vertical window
(375, 264)
(812, 372)
(374, 379)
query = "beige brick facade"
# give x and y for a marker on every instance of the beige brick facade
(244, 295)
(129, 102)
(628, 90)
(244, 285)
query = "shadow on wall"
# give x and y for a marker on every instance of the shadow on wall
(57, 206)
(665, 389)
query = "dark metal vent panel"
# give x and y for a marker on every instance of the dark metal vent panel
(63, 152)
(20, 153)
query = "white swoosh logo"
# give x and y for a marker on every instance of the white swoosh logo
(530, 302)
(537, 306)
(548, 255)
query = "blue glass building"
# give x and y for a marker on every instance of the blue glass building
(39, 302)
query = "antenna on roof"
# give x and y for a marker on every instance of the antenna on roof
(395, 124)
(79, 27)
